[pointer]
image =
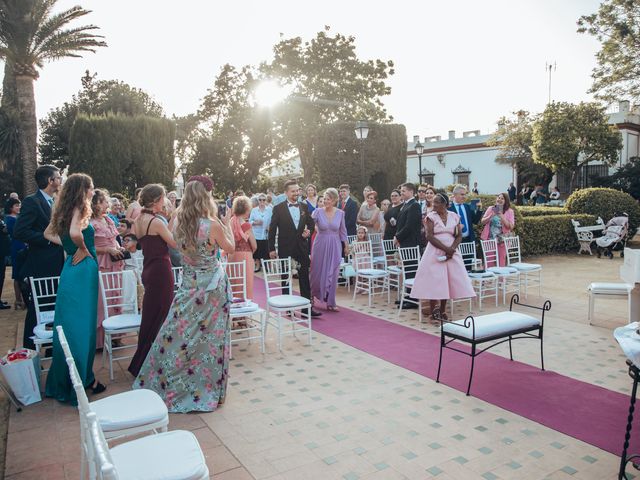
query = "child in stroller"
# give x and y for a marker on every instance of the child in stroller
(614, 236)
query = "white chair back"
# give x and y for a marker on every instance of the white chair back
(512, 246)
(377, 249)
(177, 278)
(468, 252)
(44, 291)
(115, 299)
(351, 239)
(490, 252)
(410, 259)
(277, 276)
(362, 255)
(104, 465)
(237, 278)
(390, 251)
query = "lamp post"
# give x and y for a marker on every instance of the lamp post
(362, 130)
(419, 148)
(183, 174)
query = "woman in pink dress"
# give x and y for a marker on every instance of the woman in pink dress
(441, 274)
(245, 241)
(498, 220)
(110, 254)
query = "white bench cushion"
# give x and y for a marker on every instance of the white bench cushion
(288, 301)
(604, 288)
(42, 333)
(372, 272)
(165, 456)
(409, 282)
(492, 325)
(122, 321)
(46, 317)
(524, 267)
(130, 409)
(393, 269)
(477, 275)
(250, 307)
(503, 270)
(380, 259)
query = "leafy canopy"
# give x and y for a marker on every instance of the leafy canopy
(626, 178)
(616, 25)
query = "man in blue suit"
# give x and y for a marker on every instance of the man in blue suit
(468, 217)
(43, 259)
(350, 207)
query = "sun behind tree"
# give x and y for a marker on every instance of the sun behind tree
(30, 34)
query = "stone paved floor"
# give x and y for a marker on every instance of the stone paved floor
(329, 411)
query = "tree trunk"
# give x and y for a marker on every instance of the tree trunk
(28, 131)
(307, 162)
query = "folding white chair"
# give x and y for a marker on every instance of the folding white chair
(120, 415)
(278, 278)
(409, 261)
(177, 278)
(371, 280)
(508, 277)
(44, 292)
(253, 317)
(392, 266)
(531, 272)
(485, 283)
(121, 317)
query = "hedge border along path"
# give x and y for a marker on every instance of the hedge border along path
(550, 234)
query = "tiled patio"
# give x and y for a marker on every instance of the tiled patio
(329, 411)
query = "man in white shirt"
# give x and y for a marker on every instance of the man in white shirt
(260, 219)
(468, 217)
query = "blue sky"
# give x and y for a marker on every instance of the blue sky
(459, 65)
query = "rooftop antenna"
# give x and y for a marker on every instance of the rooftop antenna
(550, 67)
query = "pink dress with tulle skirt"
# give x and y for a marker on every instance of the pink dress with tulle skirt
(436, 280)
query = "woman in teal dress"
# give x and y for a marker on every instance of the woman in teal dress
(189, 360)
(77, 300)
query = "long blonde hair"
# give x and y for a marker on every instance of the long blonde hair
(196, 203)
(74, 195)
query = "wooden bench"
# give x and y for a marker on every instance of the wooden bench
(496, 328)
(585, 234)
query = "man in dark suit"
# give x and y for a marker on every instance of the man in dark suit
(43, 258)
(468, 216)
(292, 223)
(350, 208)
(409, 227)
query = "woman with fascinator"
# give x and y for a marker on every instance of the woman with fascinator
(188, 362)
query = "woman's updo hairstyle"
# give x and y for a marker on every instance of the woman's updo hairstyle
(150, 194)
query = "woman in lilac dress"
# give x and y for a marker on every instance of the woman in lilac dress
(328, 248)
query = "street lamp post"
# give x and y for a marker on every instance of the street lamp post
(419, 148)
(362, 130)
(183, 175)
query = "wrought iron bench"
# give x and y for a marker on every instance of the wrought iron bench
(496, 328)
(585, 234)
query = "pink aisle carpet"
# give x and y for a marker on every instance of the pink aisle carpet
(581, 410)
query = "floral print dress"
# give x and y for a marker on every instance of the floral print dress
(188, 363)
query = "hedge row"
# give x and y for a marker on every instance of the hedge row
(550, 234)
(542, 211)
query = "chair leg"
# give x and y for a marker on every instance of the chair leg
(309, 324)
(473, 361)
(440, 358)
(510, 350)
(541, 351)
(279, 332)
(591, 302)
(263, 330)
(108, 346)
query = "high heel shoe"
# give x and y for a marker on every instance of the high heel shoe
(97, 387)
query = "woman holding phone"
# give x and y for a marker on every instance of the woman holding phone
(498, 221)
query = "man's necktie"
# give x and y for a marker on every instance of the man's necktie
(463, 219)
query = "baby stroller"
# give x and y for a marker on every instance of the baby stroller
(614, 236)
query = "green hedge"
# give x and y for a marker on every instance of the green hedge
(551, 234)
(605, 202)
(542, 211)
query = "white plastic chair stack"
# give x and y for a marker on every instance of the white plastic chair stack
(409, 261)
(278, 279)
(392, 265)
(485, 283)
(253, 317)
(121, 317)
(508, 277)
(119, 415)
(371, 280)
(530, 272)
(44, 292)
(177, 278)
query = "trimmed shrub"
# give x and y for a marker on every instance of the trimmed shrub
(487, 200)
(550, 234)
(605, 203)
(542, 211)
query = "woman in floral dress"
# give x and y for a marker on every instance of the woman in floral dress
(188, 362)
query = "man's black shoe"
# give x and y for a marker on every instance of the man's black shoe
(315, 313)
(4, 306)
(409, 306)
(397, 302)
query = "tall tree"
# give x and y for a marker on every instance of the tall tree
(616, 25)
(30, 34)
(329, 83)
(97, 97)
(567, 136)
(514, 138)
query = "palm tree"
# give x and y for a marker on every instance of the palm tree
(31, 34)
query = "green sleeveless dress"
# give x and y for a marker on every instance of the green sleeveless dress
(76, 311)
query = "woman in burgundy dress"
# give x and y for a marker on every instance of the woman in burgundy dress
(157, 276)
